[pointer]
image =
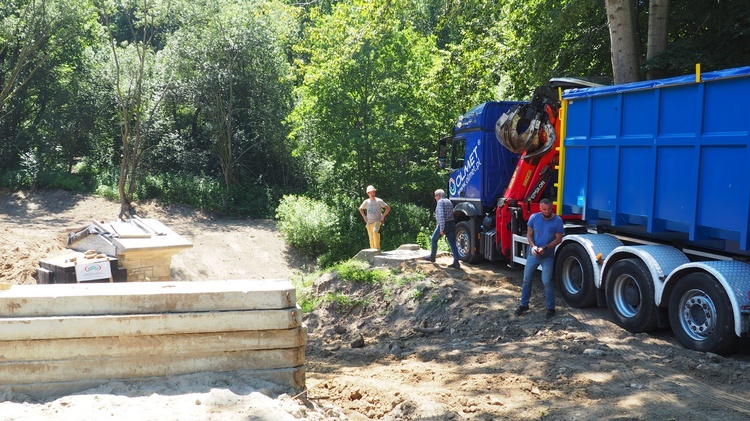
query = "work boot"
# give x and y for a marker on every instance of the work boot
(455, 265)
(550, 313)
(520, 310)
(429, 259)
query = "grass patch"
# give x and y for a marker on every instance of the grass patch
(343, 302)
(382, 282)
(359, 271)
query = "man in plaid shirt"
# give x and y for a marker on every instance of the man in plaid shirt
(446, 225)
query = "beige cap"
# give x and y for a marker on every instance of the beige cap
(370, 188)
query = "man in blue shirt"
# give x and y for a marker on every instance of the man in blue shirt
(545, 232)
(446, 225)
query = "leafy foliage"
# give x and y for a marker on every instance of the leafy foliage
(309, 225)
(360, 271)
(358, 121)
(245, 102)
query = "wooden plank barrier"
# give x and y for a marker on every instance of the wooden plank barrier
(63, 338)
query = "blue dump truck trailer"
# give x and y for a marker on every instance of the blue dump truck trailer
(653, 181)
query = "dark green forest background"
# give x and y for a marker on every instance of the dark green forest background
(284, 109)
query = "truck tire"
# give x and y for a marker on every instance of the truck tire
(701, 315)
(466, 242)
(574, 273)
(630, 296)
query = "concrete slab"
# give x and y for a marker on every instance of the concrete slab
(405, 252)
(145, 297)
(61, 327)
(62, 338)
(42, 371)
(162, 238)
(131, 346)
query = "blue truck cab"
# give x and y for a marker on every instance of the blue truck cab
(480, 167)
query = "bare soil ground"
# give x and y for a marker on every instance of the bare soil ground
(443, 344)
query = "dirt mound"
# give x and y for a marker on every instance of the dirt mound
(439, 343)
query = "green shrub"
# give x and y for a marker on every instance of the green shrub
(199, 192)
(62, 180)
(359, 271)
(308, 225)
(332, 231)
(343, 302)
(14, 180)
(108, 192)
(404, 224)
(305, 297)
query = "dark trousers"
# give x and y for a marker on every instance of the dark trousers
(450, 237)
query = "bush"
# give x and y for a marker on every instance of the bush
(14, 180)
(22, 179)
(359, 271)
(62, 180)
(404, 224)
(308, 225)
(199, 192)
(342, 232)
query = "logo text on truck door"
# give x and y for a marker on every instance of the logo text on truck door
(461, 178)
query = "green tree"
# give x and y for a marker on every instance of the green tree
(715, 34)
(132, 27)
(42, 42)
(234, 85)
(360, 117)
(542, 39)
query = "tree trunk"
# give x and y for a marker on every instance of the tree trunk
(623, 37)
(658, 13)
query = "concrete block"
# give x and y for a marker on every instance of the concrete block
(61, 327)
(146, 345)
(63, 338)
(61, 370)
(145, 297)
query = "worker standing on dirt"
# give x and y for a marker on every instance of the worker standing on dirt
(545, 231)
(373, 211)
(446, 225)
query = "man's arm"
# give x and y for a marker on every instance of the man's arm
(362, 212)
(560, 231)
(555, 242)
(530, 236)
(387, 211)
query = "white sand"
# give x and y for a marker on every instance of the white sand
(204, 396)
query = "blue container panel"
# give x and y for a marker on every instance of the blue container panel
(723, 119)
(578, 128)
(603, 181)
(723, 183)
(574, 193)
(676, 189)
(605, 119)
(636, 193)
(639, 118)
(669, 158)
(679, 115)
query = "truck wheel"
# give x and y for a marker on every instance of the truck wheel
(575, 276)
(630, 296)
(466, 242)
(701, 315)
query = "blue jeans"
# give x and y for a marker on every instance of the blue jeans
(532, 263)
(450, 237)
